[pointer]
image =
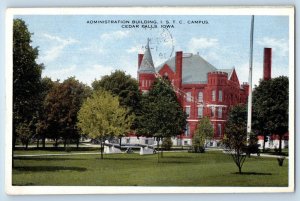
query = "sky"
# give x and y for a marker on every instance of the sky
(89, 47)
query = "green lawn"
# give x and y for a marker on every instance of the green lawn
(212, 168)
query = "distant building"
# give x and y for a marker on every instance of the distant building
(202, 89)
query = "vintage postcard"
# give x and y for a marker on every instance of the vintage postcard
(149, 100)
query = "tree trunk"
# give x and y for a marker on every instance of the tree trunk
(38, 143)
(157, 149)
(14, 142)
(240, 169)
(56, 144)
(26, 144)
(65, 143)
(161, 153)
(44, 141)
(77, 143)
(280, 144)
(101, 147)
(120, 142)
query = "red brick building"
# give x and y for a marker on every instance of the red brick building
(202, 89)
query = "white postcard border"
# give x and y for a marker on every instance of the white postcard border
(231, 10)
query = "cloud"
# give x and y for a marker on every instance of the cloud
(58, 45)
(87, 75)
(279, 46)
(243, 72)
(196, 44)
(114, 35)
(95, 71)
(135, 49)
(60, 73)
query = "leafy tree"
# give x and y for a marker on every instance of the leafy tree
(270, 102)
(62, 104)
(26, 79)
(123, 86)
(101, 117)
(41, 126)
(25, 132)
(203, 132)
(161, 114)
(235, 139)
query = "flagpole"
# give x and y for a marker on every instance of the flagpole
(249, 119)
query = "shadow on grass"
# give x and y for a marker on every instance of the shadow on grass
(175, 162)
(26, 184)
(179, 157)
(34, 158)
(48, 168)
(120, 159)
(252, 173)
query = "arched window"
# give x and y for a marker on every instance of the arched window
(220, 112)
(213, 95)
(188, 97)
(220, 95)
(200, 112)
(188, 111)
(187, 130)
(200, 96)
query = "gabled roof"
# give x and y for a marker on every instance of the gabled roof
(194, 68)
(147, 65)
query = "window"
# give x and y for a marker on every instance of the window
(128, 141)
(200, 96)
(143, 83)
(188, 111)
(212, 112)
(188, 97)
(219, 130)
(187, 130)
(220, 95)
(185, 142)
(213, 95)
(146, 141)
(200, 112)
(220, 112)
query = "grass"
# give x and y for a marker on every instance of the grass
(175, 169)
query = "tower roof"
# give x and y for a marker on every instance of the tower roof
(147, 65)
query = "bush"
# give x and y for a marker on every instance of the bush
(167, 143)
(198, 149)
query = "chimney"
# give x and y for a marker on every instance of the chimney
(140, 58)
(178, 65)
(267, 63)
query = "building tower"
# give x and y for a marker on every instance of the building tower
(146, 70)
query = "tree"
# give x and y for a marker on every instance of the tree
(26, 79)
(41, 127)
(62, 104)
(203, 132)
(25, 132)
(101, 117)
(123, 86)
(270, 102)
(235, 139)
(161, 114)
